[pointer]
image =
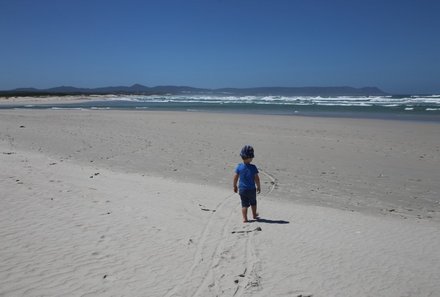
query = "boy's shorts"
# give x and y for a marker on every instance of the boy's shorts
(248, 197)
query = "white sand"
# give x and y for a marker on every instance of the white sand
(53, 99)
(376, 166)
(72, 227)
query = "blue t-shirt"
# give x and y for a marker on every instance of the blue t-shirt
(247, 174)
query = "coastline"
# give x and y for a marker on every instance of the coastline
(122, 202)
(401, 109)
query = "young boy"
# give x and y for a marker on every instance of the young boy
(247, 173)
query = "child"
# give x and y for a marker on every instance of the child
(247, 173)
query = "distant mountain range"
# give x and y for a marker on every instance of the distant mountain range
(138, 89)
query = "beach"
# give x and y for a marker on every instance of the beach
(140, 203)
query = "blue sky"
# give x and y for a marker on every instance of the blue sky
(394, 45)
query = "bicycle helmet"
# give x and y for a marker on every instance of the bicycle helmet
(247, 152)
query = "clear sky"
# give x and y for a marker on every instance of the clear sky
(394, 45)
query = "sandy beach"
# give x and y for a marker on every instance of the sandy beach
(51, 99)
(139, 203)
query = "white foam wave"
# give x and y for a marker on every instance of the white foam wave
(361, 101)
(67, 108)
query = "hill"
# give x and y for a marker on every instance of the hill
(138, 89)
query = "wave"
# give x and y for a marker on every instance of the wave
(99, 108)
(426, 107)
(67, 108)
(431, 101)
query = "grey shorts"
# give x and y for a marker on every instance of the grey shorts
(248, 197)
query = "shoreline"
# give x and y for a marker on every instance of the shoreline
(111, 102)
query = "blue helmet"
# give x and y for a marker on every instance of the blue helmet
(247, 152)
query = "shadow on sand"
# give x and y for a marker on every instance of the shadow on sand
(267, 221)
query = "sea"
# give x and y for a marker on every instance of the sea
(413, 107)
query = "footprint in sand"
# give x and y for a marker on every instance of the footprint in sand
(8, 153)
(206, 209)
(247, 231)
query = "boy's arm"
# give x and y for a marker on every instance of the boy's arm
(257, 181)
(235, 182)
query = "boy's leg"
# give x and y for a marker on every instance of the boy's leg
(244, 213)
(254, 211)
(253, 203)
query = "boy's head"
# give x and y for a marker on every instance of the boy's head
(247, 153)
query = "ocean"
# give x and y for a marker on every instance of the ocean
(384, 107)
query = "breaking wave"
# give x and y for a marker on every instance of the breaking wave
(431, 101)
